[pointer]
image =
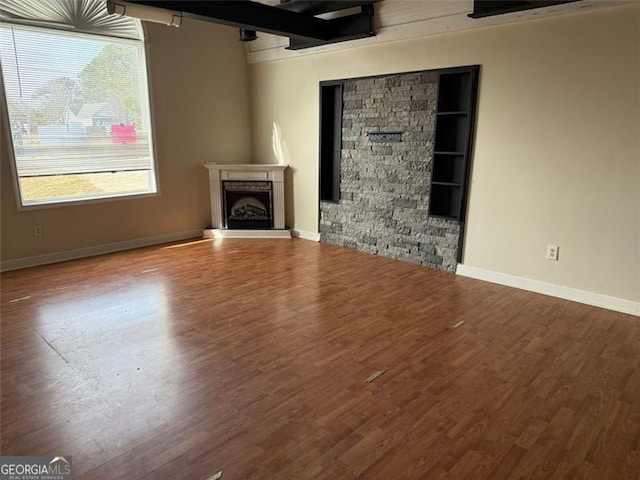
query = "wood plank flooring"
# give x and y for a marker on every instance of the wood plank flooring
(249, 356)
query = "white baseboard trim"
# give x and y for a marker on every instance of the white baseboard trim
(305, 235)
(559, 291)
(242, 233)
(56, 257)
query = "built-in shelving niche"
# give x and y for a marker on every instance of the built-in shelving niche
(457, 90)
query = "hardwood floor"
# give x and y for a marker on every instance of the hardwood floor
(249, 356)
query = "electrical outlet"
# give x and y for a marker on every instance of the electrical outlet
(552, 252)
(37, 230)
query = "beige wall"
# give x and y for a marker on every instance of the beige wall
(557, 151)
(200, 97)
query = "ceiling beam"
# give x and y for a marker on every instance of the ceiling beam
(490, 8)
(349, 27)
(252, 16)
(318, 7)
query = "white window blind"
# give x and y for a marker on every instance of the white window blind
(87, 16)
(78, 106)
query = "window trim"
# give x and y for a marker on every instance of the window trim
(6, 130)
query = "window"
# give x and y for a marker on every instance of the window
(77, 100)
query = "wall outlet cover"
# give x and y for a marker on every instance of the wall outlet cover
(552, 252)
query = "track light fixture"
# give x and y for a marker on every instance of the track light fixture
(144, 12)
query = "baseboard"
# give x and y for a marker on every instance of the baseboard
(559, 291)
(305, 235)
(56, 257)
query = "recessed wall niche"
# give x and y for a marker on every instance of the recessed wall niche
(390, 194)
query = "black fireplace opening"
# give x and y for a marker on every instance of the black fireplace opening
(247, 204)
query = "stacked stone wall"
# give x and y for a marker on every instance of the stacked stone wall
(385, 182)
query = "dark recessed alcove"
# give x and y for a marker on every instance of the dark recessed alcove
(330, 141)
(454, 92)
(448, 168)
(451, 133)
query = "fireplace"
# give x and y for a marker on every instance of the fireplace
(247, 204)
(247, 201)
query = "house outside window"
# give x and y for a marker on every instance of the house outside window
(75, 88)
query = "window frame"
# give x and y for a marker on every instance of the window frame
(66, 202)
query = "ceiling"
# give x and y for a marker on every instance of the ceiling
(404, 19)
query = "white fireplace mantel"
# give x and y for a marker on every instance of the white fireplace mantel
(249, 171)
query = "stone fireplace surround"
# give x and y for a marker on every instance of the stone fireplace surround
(245, 172)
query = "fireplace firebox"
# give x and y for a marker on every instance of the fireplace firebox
(247, 204)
